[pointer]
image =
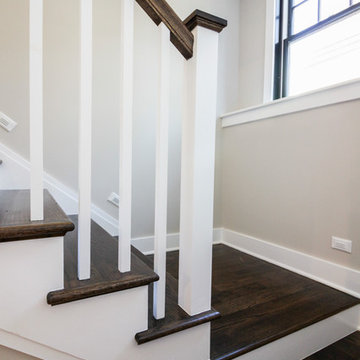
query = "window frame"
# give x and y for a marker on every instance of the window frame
(281, 45)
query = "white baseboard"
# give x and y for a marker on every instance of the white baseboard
(15, 174)
(146, 244)
(337, 276)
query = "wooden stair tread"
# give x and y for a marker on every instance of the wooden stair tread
(344, 349)
(176, 318)
(105, 277)
(260, 302)
(15, 223)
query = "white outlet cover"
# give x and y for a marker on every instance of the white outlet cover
(7, 123)
(341, 244)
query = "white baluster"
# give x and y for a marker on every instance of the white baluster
(85, 130)
(36, 109)
(162, 139)
(197, 178)
(126, 118)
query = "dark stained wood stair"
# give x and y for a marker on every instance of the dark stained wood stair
(176, 318)
(105, 276)
(344, 349)
(260, 302)
(15, 224)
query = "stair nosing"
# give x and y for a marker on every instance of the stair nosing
(59, 297)
(16, 228)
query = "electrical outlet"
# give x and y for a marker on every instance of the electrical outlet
(341, 244)
(7, 123)
(114, 199)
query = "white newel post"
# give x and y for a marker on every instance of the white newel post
(36, 109)
(161, 187)
(197, 178)
(85, 130)
(126, 118)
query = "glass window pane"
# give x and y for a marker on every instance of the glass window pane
(277, 22)
(331, 7)
(327, 57)
(304, 16)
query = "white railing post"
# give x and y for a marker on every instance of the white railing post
(126, 118)
(85, 130)
(198, 168)
(161, 187)
(36, 109)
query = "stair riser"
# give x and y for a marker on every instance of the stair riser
(309, 340)
(101, 327)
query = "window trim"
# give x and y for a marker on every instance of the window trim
(336, 94)
(269, 61)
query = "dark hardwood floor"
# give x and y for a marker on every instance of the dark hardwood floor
(345, 349)
(260, 302)
(105, 276)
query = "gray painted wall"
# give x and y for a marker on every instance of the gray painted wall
(291, 180)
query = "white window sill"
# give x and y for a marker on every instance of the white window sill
(336, 94)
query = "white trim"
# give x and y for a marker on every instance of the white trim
(343, 92)
(334, 275)
(146, 244)
(269, 62)
(309, 340)
(17, 176)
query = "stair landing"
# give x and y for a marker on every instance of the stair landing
(260, 302)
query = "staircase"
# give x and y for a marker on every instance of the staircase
(72, 291)
(262, 310)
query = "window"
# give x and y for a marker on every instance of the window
(317, 44)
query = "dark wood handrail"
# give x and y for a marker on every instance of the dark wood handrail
(160, 11)
(180, 31)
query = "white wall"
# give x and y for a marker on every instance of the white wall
(61, 96)
(292, 180)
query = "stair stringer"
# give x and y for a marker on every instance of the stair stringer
(309, 340)
(101, 327)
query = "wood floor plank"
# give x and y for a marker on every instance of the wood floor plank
(344, 349)
(260, 302)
